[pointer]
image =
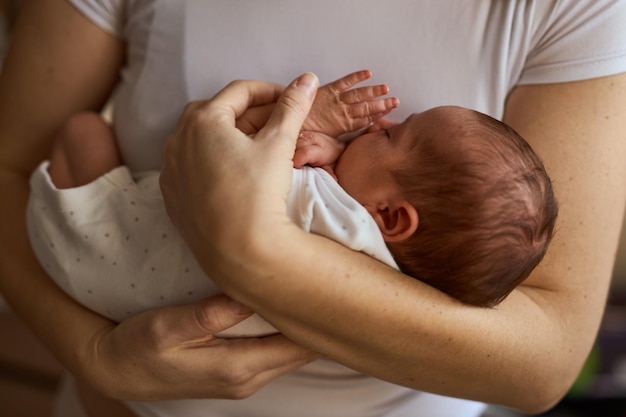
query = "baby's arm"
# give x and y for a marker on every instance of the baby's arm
(338, 110)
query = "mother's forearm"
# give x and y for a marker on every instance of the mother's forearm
(61, 323)
(367, 316)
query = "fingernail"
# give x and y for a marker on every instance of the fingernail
(307, 82)
(239, 308)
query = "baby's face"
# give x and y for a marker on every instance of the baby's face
(364, 169)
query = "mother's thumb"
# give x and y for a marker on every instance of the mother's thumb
(293, 107)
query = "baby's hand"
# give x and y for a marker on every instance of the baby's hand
(317, 150)
(337, 109)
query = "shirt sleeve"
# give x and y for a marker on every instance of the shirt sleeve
(577, 40)
(106, 14)
(319, 205)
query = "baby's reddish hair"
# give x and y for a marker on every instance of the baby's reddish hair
(485, 204)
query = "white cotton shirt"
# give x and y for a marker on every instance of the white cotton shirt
(111, 246)
(429, 52)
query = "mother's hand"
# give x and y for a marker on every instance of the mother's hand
(171, 353)
(217, 182)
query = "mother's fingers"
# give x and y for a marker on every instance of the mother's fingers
(292, 108)
(234, 99)
(237, 368)
(277, 356)
(199, 322)
(241, 95)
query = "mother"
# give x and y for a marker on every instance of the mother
(551, 69)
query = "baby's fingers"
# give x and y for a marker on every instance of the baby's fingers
(372, 108)
(361, 94)
(349, 80)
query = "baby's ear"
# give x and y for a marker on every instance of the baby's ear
(397, 220)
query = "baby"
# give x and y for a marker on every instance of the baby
(450, 196)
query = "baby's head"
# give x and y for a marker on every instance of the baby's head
(479, 209)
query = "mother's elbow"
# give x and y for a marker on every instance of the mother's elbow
(544, 393)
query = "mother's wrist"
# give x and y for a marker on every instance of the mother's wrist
(96, 366)
(240, 266)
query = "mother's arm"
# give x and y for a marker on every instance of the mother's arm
(50, 72)
(524, 353)
(60, 64)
